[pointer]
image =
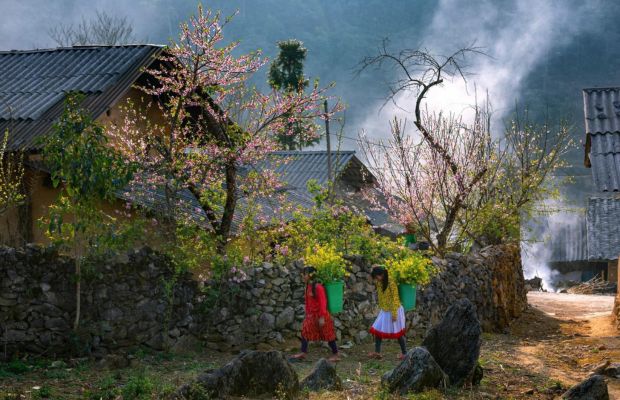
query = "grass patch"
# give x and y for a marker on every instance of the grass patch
(44, 392)
(58, 374)
(13, 368)
(106, 388)
(138, 387)
(427, 395)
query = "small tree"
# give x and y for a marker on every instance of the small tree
(216, 127)
(286, 74)
(11, 177)
(103, 29)
(519, 179)
(430, 180)
(88, 172)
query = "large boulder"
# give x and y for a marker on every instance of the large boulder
(251, 374)
(593, 388)
(455, 342)
(322, 377)
(417, 372)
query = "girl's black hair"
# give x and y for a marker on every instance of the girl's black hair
(310, 271)
(383, 272)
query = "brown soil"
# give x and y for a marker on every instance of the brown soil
(570, 335)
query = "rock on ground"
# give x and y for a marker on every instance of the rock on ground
(322, 377)
(417, 372)
(593, 388)
(251, 374)
(455, 342)
(608, 369)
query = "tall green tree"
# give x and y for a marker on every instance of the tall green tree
(286, 74)
(88, 172)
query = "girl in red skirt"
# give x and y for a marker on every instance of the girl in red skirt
(318, 324)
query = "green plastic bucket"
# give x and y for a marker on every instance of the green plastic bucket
(409, 238)
(407, 294)
(335, 293)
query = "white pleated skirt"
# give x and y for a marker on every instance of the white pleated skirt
(385, 328)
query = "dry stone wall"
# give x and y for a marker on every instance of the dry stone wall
(123, 304)
(269, 305)
(133, 303)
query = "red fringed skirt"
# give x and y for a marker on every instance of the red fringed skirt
(311, 330)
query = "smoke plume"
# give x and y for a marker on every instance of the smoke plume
(515, 35)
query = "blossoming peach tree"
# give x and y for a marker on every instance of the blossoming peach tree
(216, 127)
(450, 181)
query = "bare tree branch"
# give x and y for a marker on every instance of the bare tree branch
(102, 29)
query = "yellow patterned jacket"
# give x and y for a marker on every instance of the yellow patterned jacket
(388, 299)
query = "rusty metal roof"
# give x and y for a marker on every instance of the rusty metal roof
(602, 121)
(33, 84)
(603, 225)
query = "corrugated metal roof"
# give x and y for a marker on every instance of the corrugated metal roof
(602, 109)
(569, 242)
(603, 225)
(154, 199)
(296, 168)
(33, 84)
(605, 160)
(269, 210)
(602, 120)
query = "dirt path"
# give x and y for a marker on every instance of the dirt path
(566, 336)
(571, 306)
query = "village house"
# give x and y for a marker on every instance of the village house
(351, 178)
(602, 155)
(33, 87)
(569, 251)
(588, 244)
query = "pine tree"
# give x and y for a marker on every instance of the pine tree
(286, 74)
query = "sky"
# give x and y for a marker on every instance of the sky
(516, 35)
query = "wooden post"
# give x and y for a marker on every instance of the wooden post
(612, 271)
(616, 311)
(329, 148)
(618, 274)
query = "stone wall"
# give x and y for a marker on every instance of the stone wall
(123, 304)
(130, 303)
(269, 305)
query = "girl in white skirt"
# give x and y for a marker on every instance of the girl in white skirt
(390, 324)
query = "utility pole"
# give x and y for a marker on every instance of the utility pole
(329, 148)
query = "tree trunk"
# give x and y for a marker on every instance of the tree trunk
(231, 202)
(442, 237)
(78, 296)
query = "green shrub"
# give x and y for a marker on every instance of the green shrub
(105, 389)
(138, 387)
(12, 368)
(44, 392)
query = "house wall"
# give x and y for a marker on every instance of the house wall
(42, 194)
(141, 101)
(9, 228)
